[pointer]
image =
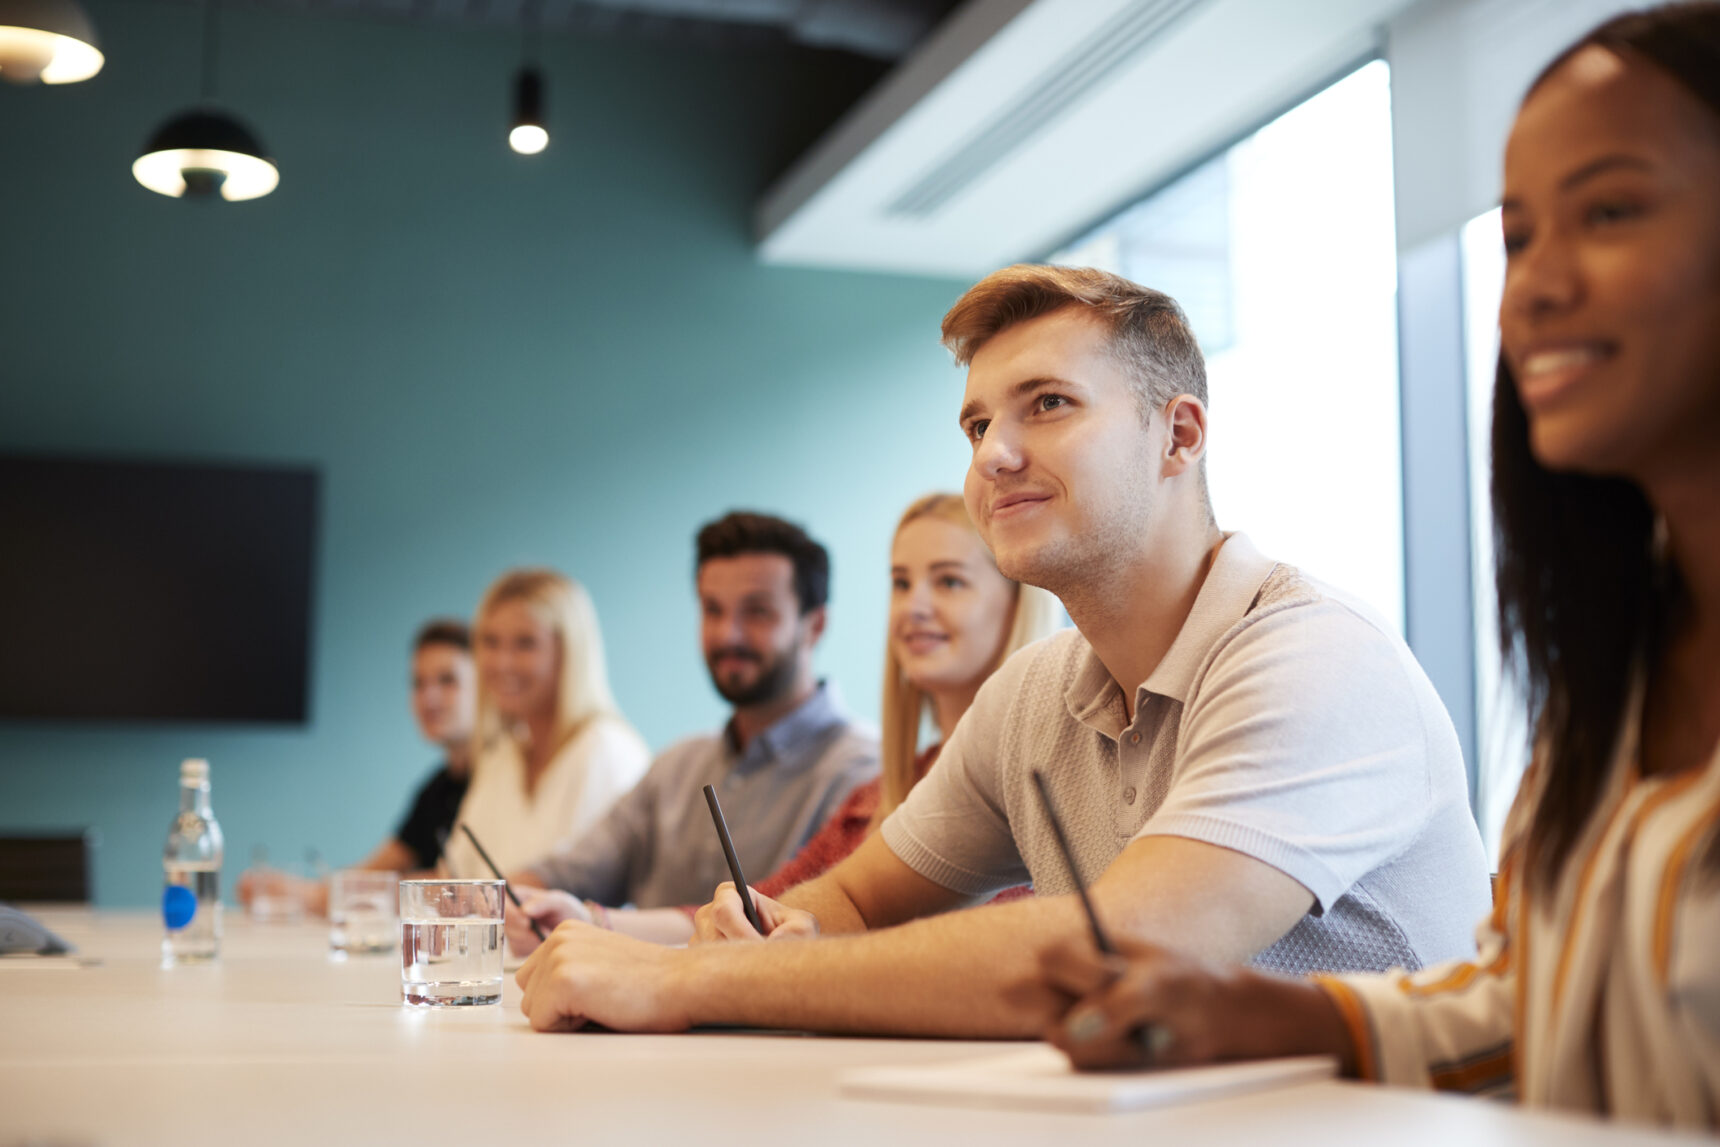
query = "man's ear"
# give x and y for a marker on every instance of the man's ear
(814, 620)
(1185, 444)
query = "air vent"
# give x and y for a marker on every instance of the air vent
(1062, 85)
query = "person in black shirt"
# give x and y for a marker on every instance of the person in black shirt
(444, 693)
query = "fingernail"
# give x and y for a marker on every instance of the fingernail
(1084, 1026)
(1155, 1040)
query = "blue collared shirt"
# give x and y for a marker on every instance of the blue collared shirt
(657, 848)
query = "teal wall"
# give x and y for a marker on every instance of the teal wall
(573, 359)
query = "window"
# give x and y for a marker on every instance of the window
(1501, 716)
(1282, 251)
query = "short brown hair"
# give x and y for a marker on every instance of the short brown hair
(1150, 336)
(443, 631)
(746, 532)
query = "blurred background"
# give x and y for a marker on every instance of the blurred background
(717, 287)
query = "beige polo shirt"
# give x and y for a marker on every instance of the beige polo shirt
(1286, 722)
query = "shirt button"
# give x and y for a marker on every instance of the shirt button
(1134, 738)
(1129, 795)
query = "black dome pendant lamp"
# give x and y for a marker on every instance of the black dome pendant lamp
(205, 153)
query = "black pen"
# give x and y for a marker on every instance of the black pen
(537, 929)
(734, 861)
(1152, 1038)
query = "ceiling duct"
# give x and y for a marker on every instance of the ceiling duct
(1060, 87)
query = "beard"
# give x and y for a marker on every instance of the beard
(775, 677)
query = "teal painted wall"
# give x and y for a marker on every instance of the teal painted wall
(573, 359)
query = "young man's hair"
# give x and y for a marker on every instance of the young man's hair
(443, 631)
(743, 532)
(1150, 336)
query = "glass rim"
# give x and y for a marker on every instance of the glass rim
(459, 880)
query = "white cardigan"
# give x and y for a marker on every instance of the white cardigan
(590, 773)
(1603, 997)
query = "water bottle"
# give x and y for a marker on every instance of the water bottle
(191, 865)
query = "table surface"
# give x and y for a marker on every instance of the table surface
(279, 1044)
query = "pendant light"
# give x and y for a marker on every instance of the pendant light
(50, 41)
(528, 136)
(205, 153)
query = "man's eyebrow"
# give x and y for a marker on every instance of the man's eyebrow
(1025, 387)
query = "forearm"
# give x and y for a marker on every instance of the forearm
(827, 900)
(390, 856)
(959, 974)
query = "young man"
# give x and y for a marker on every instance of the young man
(444, 702)
(1249, 765)
(789, 755)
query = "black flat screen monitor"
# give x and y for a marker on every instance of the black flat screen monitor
(147, 591)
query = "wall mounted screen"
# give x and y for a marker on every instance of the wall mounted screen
(144, 591)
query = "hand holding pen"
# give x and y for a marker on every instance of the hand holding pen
(736, 912)
(1113, 1024)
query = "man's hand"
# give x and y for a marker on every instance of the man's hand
(549, 909)
(725, 919)
(583, 974)
(1150, 1006)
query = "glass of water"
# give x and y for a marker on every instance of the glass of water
(361, 911)
(451, 942)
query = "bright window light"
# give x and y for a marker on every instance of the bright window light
(1502, 720)
(1283, 251)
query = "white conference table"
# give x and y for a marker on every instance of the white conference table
(278, 1044)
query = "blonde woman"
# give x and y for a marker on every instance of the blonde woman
(553, 751)
(953, 619)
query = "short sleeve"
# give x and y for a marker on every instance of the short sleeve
(1303, 745)
(953, 829)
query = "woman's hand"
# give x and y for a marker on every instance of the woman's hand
(548, 908)
(1148, 1006)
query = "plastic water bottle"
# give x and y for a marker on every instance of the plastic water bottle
(191, 865)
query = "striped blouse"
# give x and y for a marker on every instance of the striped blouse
(1603, 997)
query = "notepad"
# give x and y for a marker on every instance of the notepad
(1040, 1078)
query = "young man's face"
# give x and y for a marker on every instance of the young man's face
(1063, 471)
(444, 693)
(752, 631)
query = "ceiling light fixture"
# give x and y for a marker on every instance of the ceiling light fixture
(51, 41)
(528, 136)
(205, 153)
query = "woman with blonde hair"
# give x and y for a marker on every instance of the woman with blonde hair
(553, 751)
(953, 620)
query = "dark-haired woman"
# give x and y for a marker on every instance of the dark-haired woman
(1597, 985)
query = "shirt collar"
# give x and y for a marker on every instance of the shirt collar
(1238, 571)
(786, 739)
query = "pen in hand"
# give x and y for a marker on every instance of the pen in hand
(537, 929)
(1153, 1039)
(740, 879)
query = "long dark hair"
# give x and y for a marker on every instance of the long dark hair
(1581, 596)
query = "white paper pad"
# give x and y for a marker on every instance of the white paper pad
(1040, 1078)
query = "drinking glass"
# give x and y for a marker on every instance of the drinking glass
(361, 911)
(451, 942)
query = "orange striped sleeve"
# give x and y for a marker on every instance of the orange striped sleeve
(1480, 1072)
(1356, 1021)
(1671, 880)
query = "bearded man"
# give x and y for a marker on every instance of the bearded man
(787, 758)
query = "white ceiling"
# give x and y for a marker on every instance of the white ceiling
(1021, 122)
